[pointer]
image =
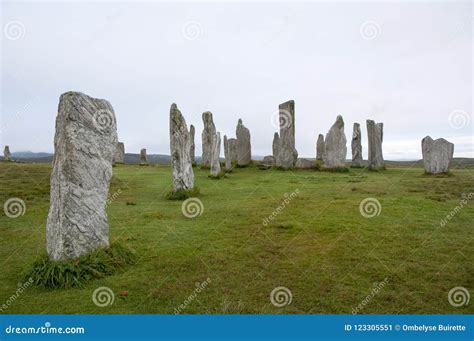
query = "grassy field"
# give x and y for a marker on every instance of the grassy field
(319, 245)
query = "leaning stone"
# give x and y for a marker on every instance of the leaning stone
(335, 149)
(228, 160)
(437, 155)
(287, 153)
(320, 147)
(7, 156)
(215, 156)
(84, 143)
(375, 139)
(208, 135)
(233, 149)
(119, 156)
(244, 154)
(304, 164)
(180, 147)
(143, 157)
(356, 146)
(192, 149)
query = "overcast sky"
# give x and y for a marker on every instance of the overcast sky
(408, 65)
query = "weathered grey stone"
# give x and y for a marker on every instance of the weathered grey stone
(208, 135)
(180, 147)
(244, 153)
(119, 153)
(287, 153)
(320, 147)
(143, 157)
(267, 162)
(7, 156)
(215, 155)
(437, 155)
(275, 145)
(304, 164)
(375, 139)
(335, 148)
(228, 160)
(192, 149)
(233, 149)
(84, 143)
(356, 146)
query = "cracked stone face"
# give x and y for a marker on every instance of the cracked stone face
(437, 155)
(208, 135)
(356, 146)
(335, 148)
(244, 153)
(216, 151)
(375, 139)
(85, 143)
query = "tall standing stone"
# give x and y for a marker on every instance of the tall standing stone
(180, 147)
(335, 148)
(215, 155)
(287, 153)
(375, 139)
(233, 149)
(228, 159)
(7, 156)
(143, 157)
(84, 144)
(119, 156)
(208, 135)
(437, 155)
(244, 154)
(192, 149)
(356, 146)
(320, 147)
(275, 145)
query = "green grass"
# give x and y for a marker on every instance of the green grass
(319, 246)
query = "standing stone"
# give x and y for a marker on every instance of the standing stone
(287, 154)
(84, 145)
(244, 154)
(143, 157)
(215, 155)
(437, 155)
(119, 156)
(335, 149)
(192, 149)
(375, 139)
(320, 147)
(180, 147)
(356, 146)
(7, 156)
(208, 135)
(228, 160)
(233, 149)
(275, 145)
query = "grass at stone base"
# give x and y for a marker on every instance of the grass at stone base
(319, 246)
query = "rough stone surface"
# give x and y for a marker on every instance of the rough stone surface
(356, 146)
(437, 155)
(143, 157)
(375, 139)
(208, 135)
(7, 156)
(233, 149)
(244, 153)
(180, 147)
(228, 159)
(275, 145)
(335, 148)
(119, 153)
(192, 149)
(304, 163)
(84, 143)
(267, 162)
(287, 154)
(320, 147)
(215, 155)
